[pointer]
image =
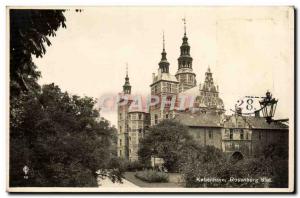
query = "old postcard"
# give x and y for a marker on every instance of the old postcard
(150, 99)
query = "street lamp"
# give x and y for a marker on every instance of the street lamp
(153, 156)
(268, 107)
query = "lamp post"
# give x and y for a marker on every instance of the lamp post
(153, 155)
(268, 108)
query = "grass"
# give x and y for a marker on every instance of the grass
(152, 176)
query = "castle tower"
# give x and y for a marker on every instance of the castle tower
(123, 108)
(164, 87)
(185, 74)
(209, 100)
(127, 86)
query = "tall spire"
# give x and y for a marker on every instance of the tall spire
(127, 70)
(184, 22)
(185, 59)
(127, 86)
(185, 74)
(163, 41)
(164, 64)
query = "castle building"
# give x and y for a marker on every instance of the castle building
(206, 119)
(185, 74)
(123, 109)
(208, 99)
(138, 121)
(164, 86)
(246, 136)
(132, 122)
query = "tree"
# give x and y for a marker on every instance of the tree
(57, 135)
(165, 140)
(198, 162)
(59, 138)
(29, 32)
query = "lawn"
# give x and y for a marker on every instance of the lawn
(130, 176)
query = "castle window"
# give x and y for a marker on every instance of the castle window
(169, 87)
(242, 134)
(167, 116)
(120, 129)
(140, 130)
(247, 136)
(231, 134)
(155, 118)
(120, 152)
(259, 135)
(120, 142)
(210, 134)
(120, 115)
(140, 116)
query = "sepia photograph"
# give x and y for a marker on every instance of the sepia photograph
(150, 99)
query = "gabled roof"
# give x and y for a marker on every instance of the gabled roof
(215, 120)
(194, 91)
(164, 77)
(199, 120)
(261, 123)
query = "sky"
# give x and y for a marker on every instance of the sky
(248, 49)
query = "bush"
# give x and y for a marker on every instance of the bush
(152, 176)
(134, 166)
(164, 140)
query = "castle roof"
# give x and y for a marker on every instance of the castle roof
(260, 123)
(194, 91)
(199, 120)
(215, 120)
(164, 77)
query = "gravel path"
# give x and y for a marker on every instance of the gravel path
(108, 183)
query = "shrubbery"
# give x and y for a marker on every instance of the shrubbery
(165, 140)
(152, 176)
(59, 137)
(134, 166)
(201, 162)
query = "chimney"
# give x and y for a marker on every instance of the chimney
(256, 114)
(153, 77)
(238, 111)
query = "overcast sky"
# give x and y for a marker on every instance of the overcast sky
(249, 50)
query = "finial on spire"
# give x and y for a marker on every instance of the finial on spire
(208, 69)
(163, 40)
(184, 22)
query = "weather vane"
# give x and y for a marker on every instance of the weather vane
(184, 22)
(163, 39)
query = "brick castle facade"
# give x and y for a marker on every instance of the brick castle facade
(206, 117)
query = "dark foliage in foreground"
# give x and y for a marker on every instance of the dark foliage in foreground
(164, 140)
(59, 136)
(29, 35)
(209, 162)
(152, 176)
